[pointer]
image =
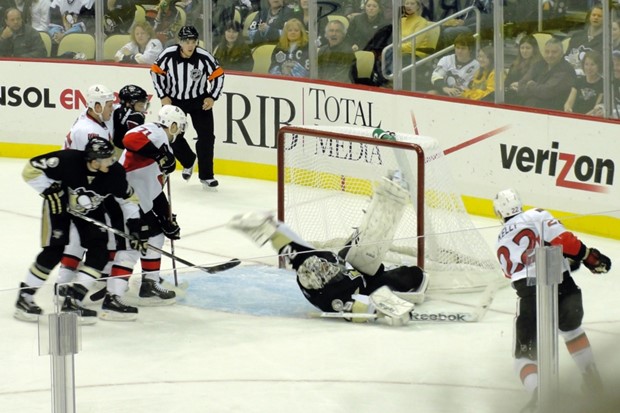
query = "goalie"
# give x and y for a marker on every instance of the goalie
(354, 281)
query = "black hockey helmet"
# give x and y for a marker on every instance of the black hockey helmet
(130, 94)
(188, 32)
(98, 148)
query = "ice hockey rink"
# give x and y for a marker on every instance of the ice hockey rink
(242, 340)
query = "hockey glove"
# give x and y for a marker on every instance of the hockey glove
(170, 228)
(596, 262)
(166, 160)
(139, 235)
(54, 197)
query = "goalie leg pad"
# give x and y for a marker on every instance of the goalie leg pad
(378, 227)
(259, 226)
(396, 310)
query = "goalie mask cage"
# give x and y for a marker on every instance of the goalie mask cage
(326, 177)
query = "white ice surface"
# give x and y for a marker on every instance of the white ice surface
(243, 342)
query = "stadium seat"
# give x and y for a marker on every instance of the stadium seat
(365, 62)
(542, 38)
(47, 41)
(565, 44)
(140, 15)
(343, 19)
(112, 44)
(246, 24)
(77, 43)
(262, 58)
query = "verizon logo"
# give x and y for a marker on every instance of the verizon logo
(570, 170)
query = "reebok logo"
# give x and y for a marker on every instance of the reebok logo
(452, 317)
(570, 170)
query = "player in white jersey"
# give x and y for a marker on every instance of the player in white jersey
(147, 158)
(520, 233)
(95, 121)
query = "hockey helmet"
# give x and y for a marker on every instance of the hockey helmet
(507, 203)
(98, 148)
(98, 94)
(188, 32)
(169, 114)
(129, 95)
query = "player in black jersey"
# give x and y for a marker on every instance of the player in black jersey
(133, 104)
(72, 181)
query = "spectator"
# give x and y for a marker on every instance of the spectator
(453, 73)
(19, 40)
(615, 34)
(482, 86)
(336, 58)
(529, 56)
(166, 21)
(232, 52)
(466, 24)
(590, 38)
(35, 13)
(290, 56)
(143, 48)
(588, 90)
(364, 26)
(268, 24)
(119, 16)
(223, 14)
(71, 16)
(549, 83)
(411, 23)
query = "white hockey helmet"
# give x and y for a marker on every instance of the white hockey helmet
(169, 114)
(507, 203)
(98, 94)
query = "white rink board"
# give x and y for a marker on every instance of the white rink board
(558, 162)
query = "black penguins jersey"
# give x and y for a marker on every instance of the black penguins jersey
(124, 120)
(86, 189)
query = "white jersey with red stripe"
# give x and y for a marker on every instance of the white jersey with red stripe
(524, 232)
(143, 173)
(85, 128)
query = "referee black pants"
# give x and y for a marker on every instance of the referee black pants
(205, 142)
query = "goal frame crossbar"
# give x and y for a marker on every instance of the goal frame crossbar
(396, 145)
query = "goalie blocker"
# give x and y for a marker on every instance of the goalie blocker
(358, 283)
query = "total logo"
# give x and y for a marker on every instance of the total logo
(574, 171)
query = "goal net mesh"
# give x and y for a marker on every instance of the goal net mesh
(326, 180)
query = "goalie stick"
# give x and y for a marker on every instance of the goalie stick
(211, 269)
(439, 317)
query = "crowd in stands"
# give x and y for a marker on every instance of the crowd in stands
(552, 74)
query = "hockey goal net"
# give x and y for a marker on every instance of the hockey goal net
(326, 177)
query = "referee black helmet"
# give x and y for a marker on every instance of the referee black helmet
(188, 32)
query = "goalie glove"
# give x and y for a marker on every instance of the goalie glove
(54, 197)
(596, 262)
(138, 232)
(170, 227)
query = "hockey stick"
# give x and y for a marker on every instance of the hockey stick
(174, 261)
(212, 269)
(439, 317)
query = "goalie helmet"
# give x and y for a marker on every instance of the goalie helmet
(98, 94)
(129, 95)
(507, 203)
(170, 114)
(98, 148)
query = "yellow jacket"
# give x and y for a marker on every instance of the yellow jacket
(480, 86)
(412, 24)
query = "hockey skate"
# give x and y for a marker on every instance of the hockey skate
(186, 173)
(71, 297)
(209, 184)
(259, 226)
(25, 307)
(152, 293)
(114, 309)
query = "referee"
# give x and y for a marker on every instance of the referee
(189, 77)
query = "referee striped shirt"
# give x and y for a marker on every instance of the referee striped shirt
(197, 77)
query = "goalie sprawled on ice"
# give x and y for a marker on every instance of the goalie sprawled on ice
(354, 283)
